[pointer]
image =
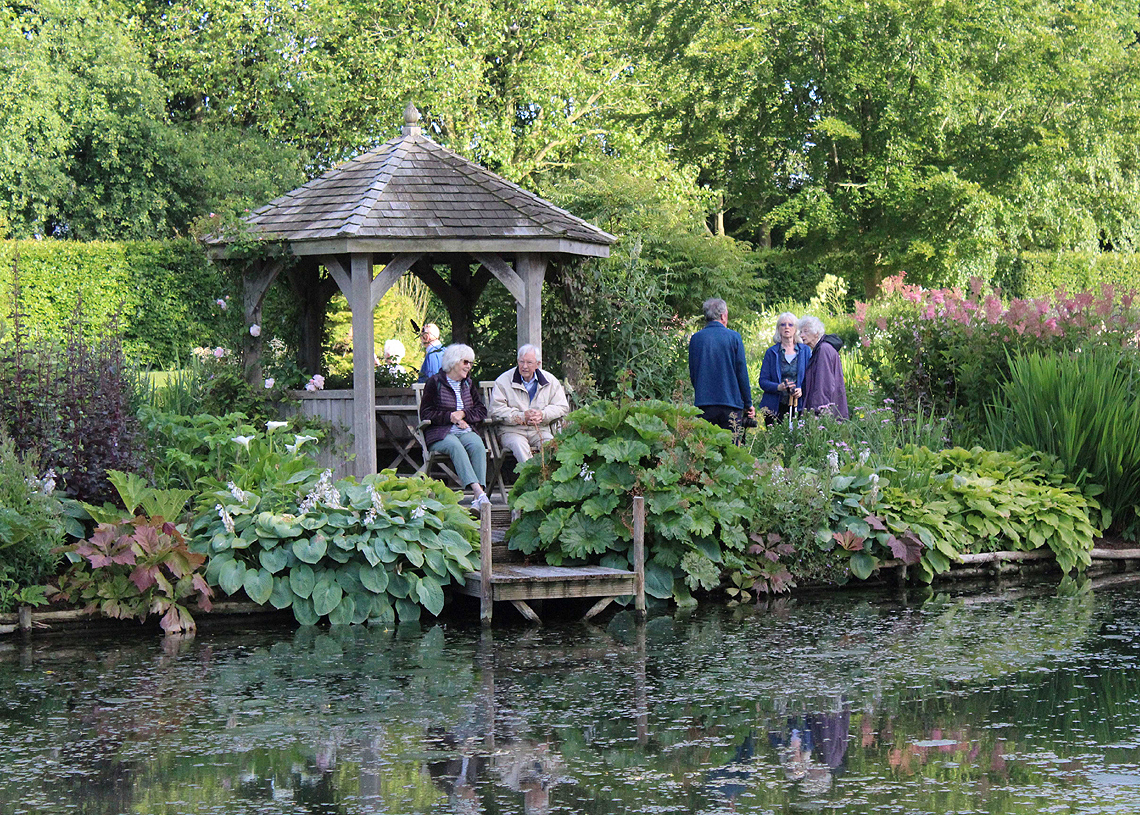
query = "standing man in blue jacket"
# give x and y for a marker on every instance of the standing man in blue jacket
(433, 352)
(719, 373)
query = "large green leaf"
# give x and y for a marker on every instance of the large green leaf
(397, 584)
(574, 492)
(327, 594)
(381, 610)
(302, 578)
(348, 577)
(408, 610)
(629, 451)
(258, 585)
(304, 612)
(430, 595)
(344, 612)
(583, 535)
(282, 595)
(374, 578)
(651, 428)
(231, 576)
(275, 559)
(214, 567)
(436, 561)
(658, 581)
(311, 550)
(863, 565)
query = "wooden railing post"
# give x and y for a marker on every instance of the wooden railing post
(486, 601)
(639, 555)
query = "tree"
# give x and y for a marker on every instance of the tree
(89, 151)
(925, 137)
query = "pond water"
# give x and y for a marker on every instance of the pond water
(1021, 702)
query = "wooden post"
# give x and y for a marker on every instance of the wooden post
(531, 268)
(639, 555)
(363, 365)
(25, 618)
(486, 599)
(254, 286)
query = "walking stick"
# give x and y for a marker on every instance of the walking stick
(792, 408)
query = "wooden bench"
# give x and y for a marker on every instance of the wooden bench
(517, 583)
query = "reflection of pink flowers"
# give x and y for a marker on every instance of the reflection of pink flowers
(316, 383)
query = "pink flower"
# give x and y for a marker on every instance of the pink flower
(993, 309)
(221, 304)
(315, 384)
(255, 330)
(269, 383)
(881, 323)
(219, 352)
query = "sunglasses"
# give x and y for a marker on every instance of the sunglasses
(467, 361)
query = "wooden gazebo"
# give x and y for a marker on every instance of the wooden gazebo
(410, 205)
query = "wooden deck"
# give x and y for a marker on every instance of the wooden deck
(517, 583)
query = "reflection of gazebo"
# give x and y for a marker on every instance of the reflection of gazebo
(410, 205)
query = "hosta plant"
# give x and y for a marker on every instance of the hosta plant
(343, 551)
(930, 507)
(575, 496)
(137, 562)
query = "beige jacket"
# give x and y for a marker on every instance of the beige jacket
(509, 400)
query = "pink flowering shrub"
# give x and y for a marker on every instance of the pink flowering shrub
(948, 350)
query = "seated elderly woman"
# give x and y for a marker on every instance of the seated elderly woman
(454, 408)
(824, 388)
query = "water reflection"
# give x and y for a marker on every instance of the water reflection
(996, 703)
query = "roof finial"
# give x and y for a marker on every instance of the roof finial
(411, 121)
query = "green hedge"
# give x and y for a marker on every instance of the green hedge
(164, 292)
(1040, 274)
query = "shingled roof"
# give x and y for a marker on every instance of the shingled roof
(412, 195)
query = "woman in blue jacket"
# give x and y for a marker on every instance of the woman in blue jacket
(783, 369)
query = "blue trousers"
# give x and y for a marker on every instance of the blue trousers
(468, 456)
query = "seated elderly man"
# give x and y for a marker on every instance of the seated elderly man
(525, 401)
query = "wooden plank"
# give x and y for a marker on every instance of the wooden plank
(561, 590)
(598, 607)
(574, 586)
(526, 611)
(540, 573)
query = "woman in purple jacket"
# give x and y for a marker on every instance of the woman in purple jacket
(824, 388)
(451, 402)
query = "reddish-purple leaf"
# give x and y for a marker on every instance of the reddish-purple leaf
(849, 540)
(908, 549)
(124, 557)
(144, 577)
(876, 523)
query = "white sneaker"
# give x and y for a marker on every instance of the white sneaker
(480, 501)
